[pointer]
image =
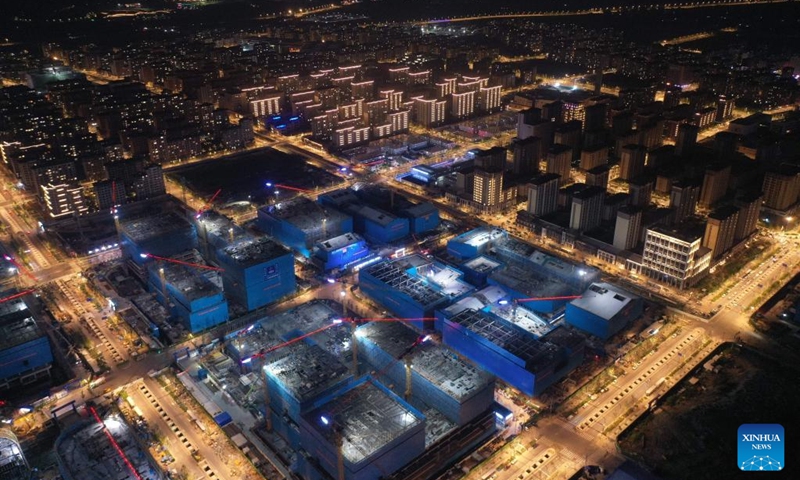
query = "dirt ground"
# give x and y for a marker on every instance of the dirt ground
(693, 433)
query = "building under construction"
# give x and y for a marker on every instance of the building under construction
(412, 287)
(13, 465)
(300, 223)
(366, 433)
(380, 214)
(303, 375)
(189, 295)
(505, 349)
(603, 310)
(103, 448)
(316, 315)
(299, 377)
(163, 234)
(25, 352)
(257, 271)
(428, 372)
(215, 231)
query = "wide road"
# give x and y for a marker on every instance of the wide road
(643, 381)
(759, 276)
(150, 403)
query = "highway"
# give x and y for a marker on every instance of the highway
(599, 11)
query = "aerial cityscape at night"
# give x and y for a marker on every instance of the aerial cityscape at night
(399, 240)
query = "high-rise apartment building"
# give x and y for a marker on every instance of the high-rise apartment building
(683, 199)
(628, 227)
(632, 158)
(592, 157)
(63, 200)
(687, 139)
(715, 184)
(559, 161)
(749, 208)
(720, 230)
(543, 194)
(587, 209)
(598, 176)
(429, 113)
(488, 187)
(489, 99)
(462, 105)
(782, 188)
(525, 159)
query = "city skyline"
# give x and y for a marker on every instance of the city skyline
(398, 240)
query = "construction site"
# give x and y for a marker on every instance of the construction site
(300, 223)
(528, 363)
(192, 297)
(497, 301)
(295, 368)
(399, 286)
(25, 351)
(102, 448)
(13, 465)
(256, 271)
(164, 234)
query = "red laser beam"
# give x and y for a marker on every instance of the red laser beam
(181, 262)
(294, 340)
(115, 444)
(21, 268)
(288, 187)
(208, 204)
(16, 295)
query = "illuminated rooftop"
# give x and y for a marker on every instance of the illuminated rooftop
(366, 417)
(255, 250)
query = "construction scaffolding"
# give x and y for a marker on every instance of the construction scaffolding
(13, 465)
(305, 371)
(366, 418)
(89, 454)
(536, 355)
(395, 278)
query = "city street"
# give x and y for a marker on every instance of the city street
(611, 411)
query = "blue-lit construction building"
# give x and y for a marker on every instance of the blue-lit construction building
(501, 347)
(379, 434)
(473, 243)
(25, 353)
(490, 256)
(164, 234)
(422, 217)
(531, 273)
(439, 378)
(300, 377)
(314, 378)
(301, 223)
(190, 296)
(340, 252)
(412, 287)
(380, 216)
(603, 310)
(215, 231)
(376, 225)
(257, 271)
